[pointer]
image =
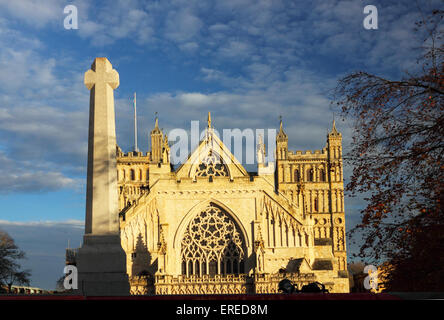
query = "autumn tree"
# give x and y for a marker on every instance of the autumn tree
(397, 161)
(10, 270)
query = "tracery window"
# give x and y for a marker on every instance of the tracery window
(212, 245)
(212, 166)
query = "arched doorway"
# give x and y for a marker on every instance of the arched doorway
(212, 244)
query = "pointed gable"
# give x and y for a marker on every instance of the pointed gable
(211, 158)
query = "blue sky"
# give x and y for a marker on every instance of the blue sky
(255, 59)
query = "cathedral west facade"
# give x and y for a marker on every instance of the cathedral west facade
(211, 227)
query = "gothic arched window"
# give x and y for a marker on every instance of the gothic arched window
(212, 244)
(322, 177)
(133, 174)
(310, 175)
(297, 177)
(212, 166)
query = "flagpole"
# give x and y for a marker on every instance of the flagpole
(135, 124)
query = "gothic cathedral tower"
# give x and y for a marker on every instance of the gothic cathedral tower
(281, 144)
(156, 143)
(335, 179)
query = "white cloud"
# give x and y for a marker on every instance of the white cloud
(45, 134)
(219, 28)
(43, 118)
(26, 75)
(115, 20)
(34, 12)
(23, 176)
(236, 49)
(189, 47)
(182, 26)
(267, 46)
(67, 223)
(194, 99)
(269, 32)
(299, 97)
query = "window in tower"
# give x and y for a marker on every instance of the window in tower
(296, 176)
(322, 177)
(310, 175)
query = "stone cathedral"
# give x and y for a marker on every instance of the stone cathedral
(211, 227)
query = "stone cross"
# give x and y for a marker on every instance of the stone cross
(101, 261)
(101, 192)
